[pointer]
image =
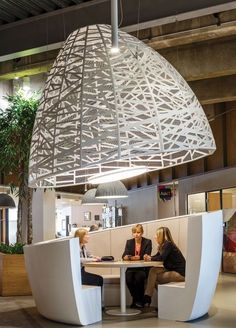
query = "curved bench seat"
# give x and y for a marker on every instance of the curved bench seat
(54, 273)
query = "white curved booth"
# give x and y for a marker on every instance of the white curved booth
(54, 273)
(192, 299)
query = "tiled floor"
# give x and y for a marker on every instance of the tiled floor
(20, 312)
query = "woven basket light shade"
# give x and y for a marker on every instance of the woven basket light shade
(6, 201)
(89, 198)
(102, 111)
(115, 190)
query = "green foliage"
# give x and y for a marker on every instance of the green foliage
(16, 248)
(16, 125)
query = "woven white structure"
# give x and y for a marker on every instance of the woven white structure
(102, 111)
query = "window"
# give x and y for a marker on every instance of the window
(196, 203)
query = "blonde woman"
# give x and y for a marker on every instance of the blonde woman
(85, 255)
(135, 250)
(173, 262)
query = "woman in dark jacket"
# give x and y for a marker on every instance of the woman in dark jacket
(173, 262)
(135, 250)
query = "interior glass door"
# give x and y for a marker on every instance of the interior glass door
(213, 201)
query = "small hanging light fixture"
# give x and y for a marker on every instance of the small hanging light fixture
(89, 198)
(108, 116)
(6, 201)
(111, 190)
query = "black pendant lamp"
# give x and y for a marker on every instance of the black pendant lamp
(6, 201)
(109, 190)
(89, 198)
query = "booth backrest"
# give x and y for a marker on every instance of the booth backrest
(112, 241)
(205, 241)
(54, 273)
(192, 299)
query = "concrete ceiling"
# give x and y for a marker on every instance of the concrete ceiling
(201, 44)
(32, 26)
(16, 10)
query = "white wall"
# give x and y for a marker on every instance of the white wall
(141, 205)
(77, 214)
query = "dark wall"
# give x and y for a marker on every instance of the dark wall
(141, 205)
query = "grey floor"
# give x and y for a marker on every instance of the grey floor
(17, 312)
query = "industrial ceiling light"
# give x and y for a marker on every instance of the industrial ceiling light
(6, 201)
(89, 198)
(103, 112)
(110, 190)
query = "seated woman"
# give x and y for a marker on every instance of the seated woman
(135, 278)
(173, 262)
(93, 227)
(85, 255)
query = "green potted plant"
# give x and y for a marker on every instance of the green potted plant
(16, 125)
(13, 276)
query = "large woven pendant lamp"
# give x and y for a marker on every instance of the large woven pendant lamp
(106, 116)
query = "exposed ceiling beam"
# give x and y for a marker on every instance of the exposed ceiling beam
(204, 60)
(52, 28)
(193, 36)
(35, 69)
(194, 62)
(217, 90)
(180, 16)
(220, 89)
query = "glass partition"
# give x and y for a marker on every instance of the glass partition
(213, 201)
(196, 203)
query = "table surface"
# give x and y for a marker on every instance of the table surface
(124, 264)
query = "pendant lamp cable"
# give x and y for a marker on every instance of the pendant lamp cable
(137, 31)
(138, 19)
(47, 43)
(64, 27)
(121, 13)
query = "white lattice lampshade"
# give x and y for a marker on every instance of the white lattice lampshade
(102, 112)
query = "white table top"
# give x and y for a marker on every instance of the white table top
(123, 264)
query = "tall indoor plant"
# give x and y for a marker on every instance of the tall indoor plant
(16, 125)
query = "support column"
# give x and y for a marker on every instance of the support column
(43, 215)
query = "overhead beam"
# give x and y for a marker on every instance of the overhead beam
(209, 91)
(33, 70)
(181, 15)
(194, 62)
(193, 36)
(26, 66)
(205, 60)
(217, 90)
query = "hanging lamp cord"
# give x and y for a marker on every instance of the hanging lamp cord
(138, 19)
(121, 13)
